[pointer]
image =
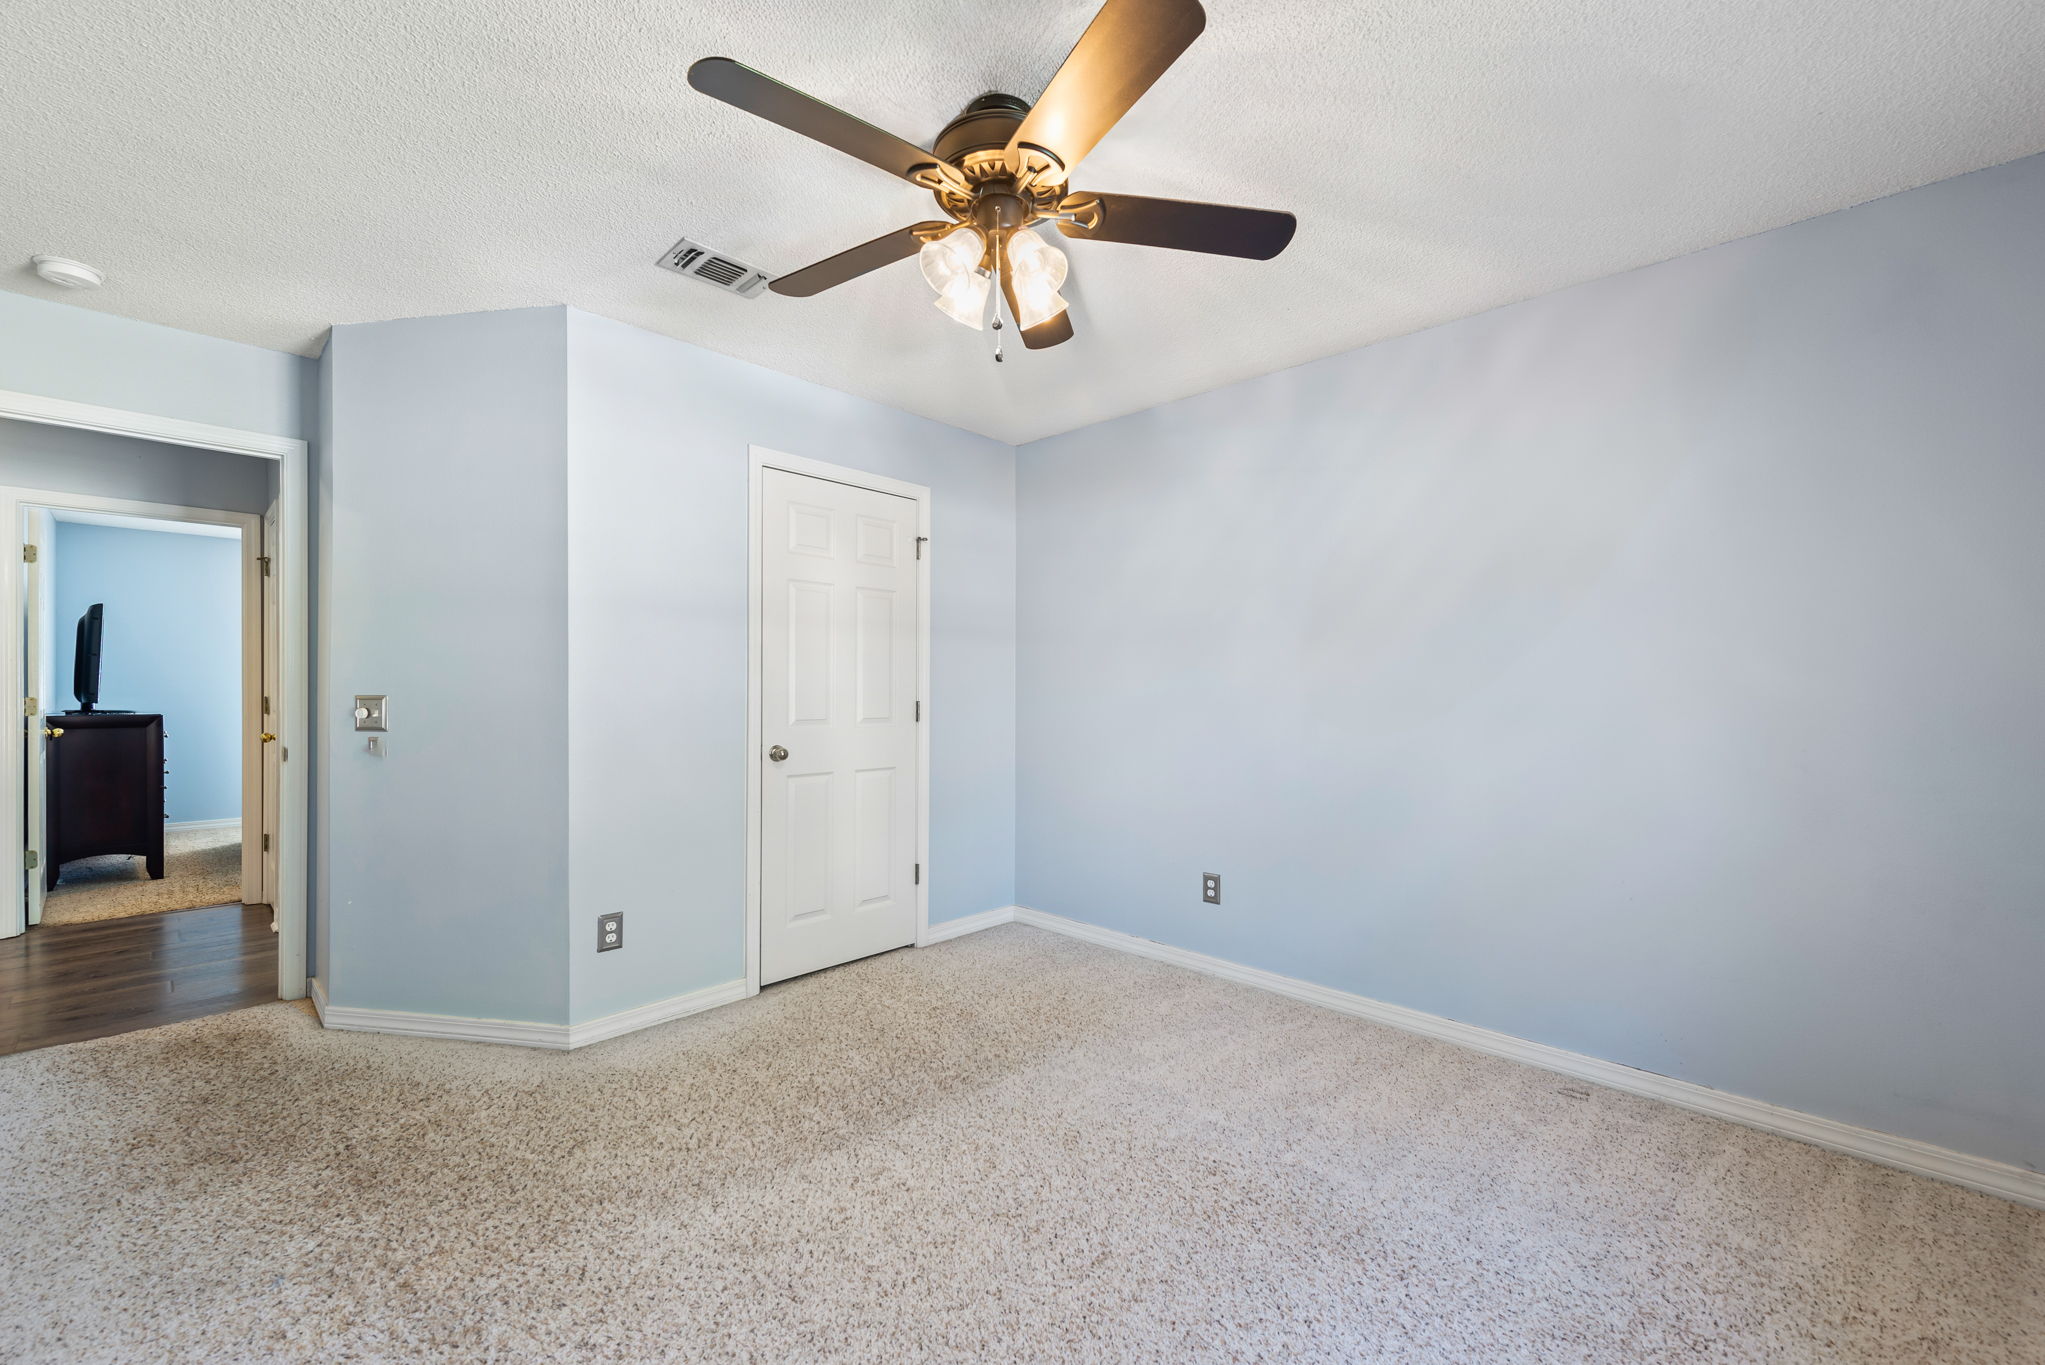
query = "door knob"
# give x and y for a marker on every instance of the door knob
(777, 753)
(54, 732)
(269, 738)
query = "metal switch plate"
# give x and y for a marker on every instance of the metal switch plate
(372, 713)
(1210, 887)
(610, 931)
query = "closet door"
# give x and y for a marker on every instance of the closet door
(838, 733)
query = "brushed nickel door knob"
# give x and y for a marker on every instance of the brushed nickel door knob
(777, 753)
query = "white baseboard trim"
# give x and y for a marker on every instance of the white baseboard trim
(967, 924)
(317, 990)
(350, 1019)
(517, 1032)
(229, 823)
(659, 1012)
(1906, 1154)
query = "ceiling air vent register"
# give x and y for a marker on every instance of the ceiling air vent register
(699, 262)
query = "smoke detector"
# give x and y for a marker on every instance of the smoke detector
(71, 274)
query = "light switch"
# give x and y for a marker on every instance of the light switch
(372, 713)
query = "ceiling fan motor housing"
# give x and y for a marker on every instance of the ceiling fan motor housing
(976, 142)
(986, 124)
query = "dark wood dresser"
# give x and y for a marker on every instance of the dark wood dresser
(105, 789)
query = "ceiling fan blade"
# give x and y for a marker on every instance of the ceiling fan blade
(1129, 44)
(744, 88)
(1183, 225)
(850, 265)
(1046, 334)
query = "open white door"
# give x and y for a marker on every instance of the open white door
(40, 675)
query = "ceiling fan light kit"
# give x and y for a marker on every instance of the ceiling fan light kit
(951, 266)
(1039, 269)
(955, 265)
(1001, 169)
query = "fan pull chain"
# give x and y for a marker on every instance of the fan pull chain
(995, 299)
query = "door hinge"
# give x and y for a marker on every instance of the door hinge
(264, 560)
(28, 706)
(266, 843)
(919, 874)
(920, 542)
(35, 860)
(28, 554)
(266, 706)
(919, 708)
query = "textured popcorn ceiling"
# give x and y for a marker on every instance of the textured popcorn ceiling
(259, 170)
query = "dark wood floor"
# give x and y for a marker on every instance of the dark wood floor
(63, 982)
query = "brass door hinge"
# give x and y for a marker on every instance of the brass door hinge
(28, 706)
(266, 843)
(28, 554)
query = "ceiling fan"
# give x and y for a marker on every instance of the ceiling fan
(1002, 166)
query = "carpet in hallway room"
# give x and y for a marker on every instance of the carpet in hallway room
(1010, 1147)
(200, 867)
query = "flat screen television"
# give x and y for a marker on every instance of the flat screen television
(85, 666)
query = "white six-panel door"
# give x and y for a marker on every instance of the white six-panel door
(838, 789)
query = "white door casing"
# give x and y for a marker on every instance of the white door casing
(271, 686)
(40, 678)
(839, 814)
(291, 570)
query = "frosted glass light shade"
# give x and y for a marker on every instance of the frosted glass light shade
(1037, 268)
(1033, 306)
(964, 300)
(956, 253)
(1036, 263)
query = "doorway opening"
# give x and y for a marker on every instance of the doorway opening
(143, 652)
(153, 966)
(149, 792)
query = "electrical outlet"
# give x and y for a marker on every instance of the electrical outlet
(1210, 887)
(610, 931)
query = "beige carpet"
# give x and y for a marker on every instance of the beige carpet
(200, 867)
(1011, 1147)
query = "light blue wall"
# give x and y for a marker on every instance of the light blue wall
(68, 460)
(658, 437)
(172, 644)
(443, 585)
(1653, 669)
(535, 543)
(60, 350)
